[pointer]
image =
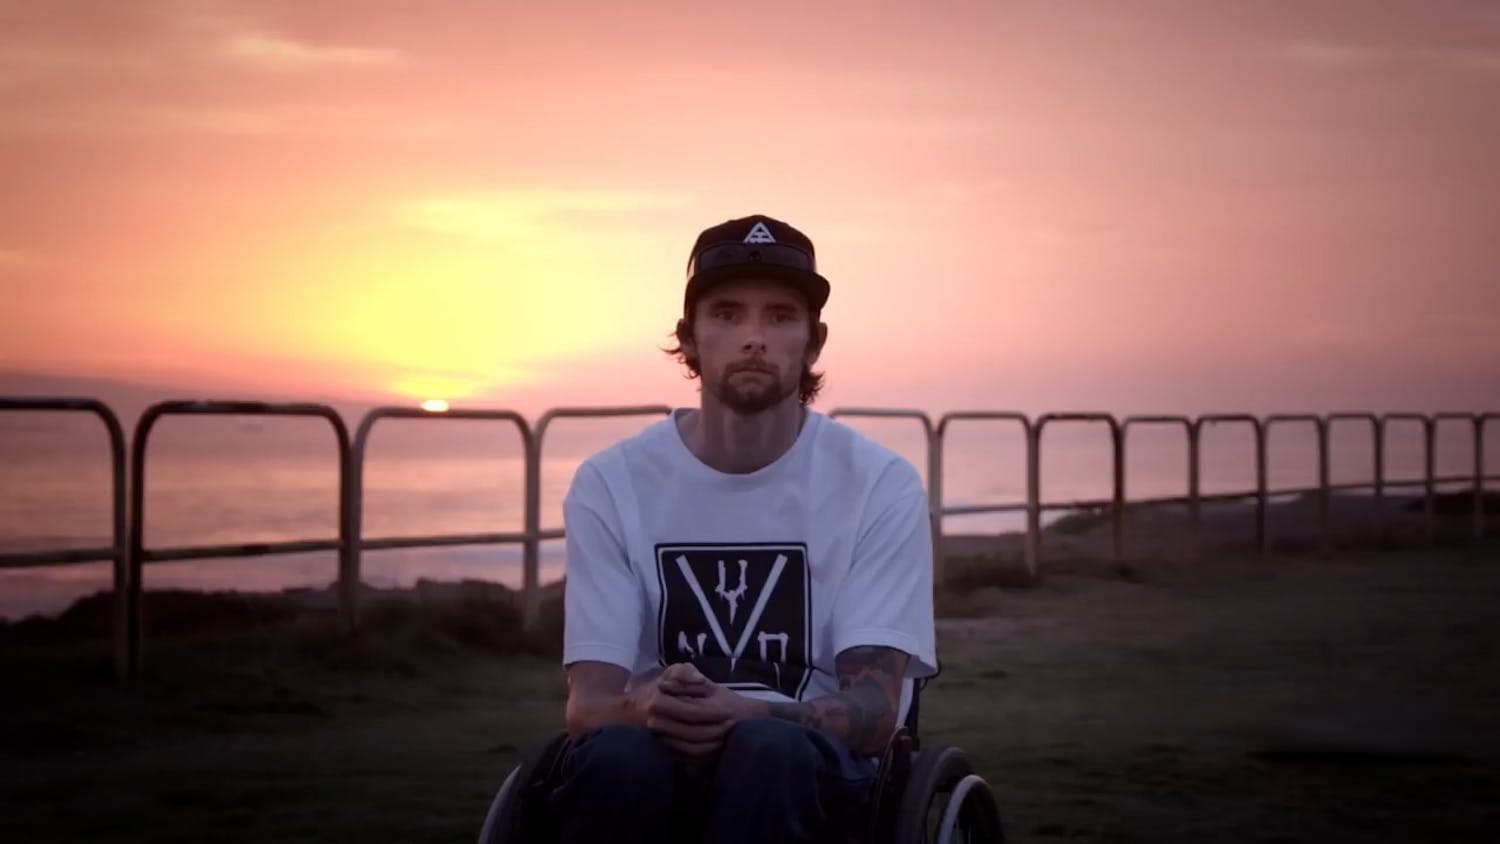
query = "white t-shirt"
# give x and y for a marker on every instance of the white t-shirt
(758, 579)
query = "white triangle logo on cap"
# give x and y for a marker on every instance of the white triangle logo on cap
(759, 234)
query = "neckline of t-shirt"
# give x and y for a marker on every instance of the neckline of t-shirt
(686, 455)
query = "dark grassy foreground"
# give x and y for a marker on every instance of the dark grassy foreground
(1291, 699)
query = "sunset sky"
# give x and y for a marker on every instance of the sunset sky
(1125, 206)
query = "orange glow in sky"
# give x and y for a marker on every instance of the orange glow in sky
(1032, 205)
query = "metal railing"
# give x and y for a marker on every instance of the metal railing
(529, 537)
(531, 593)
(130, 554)
(349, 583)
(1032, 551)
(934, 469)
(1194, 493)
(140, 555)
(1116, 503)
(1325, 540)
(1034, 506)
(118, 552)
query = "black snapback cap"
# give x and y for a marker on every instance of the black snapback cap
(755, 247)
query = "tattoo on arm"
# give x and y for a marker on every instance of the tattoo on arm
(863, 711)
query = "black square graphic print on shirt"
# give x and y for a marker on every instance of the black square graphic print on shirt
(740, 613)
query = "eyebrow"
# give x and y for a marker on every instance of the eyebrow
(788, 306)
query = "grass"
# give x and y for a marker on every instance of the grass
(1285, 699)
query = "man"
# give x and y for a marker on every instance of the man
(749, 583)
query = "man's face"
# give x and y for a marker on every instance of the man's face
(752, 339)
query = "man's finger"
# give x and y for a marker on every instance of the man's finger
(688, 710)
(688, 714)
(682, 672)
(682, 688)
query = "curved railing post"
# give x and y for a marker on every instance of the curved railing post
(1117, 501)
(1117, 441)
(1325, 539)
(1034, 496)
(1195, 490)
(1429, 473)
(1480, 476)
(1258, 429)
(940, 509)
(1429, 509)
(1191, 430)
(1380, 465)
(1378, 456)
(138, 555)
(934, 455)
(531, 555)
(531, 546)
(1475, 426)
(118, 552)
(349, 581)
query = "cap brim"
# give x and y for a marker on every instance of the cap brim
(813, 286)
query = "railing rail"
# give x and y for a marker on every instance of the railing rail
(1117, 463)
(1428, 481)
(139, 554)
(1480, 421)
(1258, 429)
(129, 553)
(934, 457)
(531, 574)
(354, 497)
(1032, 554)
(117, 554)
(1193, 492)
(1477, 422)
(1320, 426)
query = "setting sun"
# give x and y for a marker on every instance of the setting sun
(435, 406)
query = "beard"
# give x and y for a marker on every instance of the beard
(752, 394)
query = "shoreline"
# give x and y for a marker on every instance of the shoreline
(1078, 542)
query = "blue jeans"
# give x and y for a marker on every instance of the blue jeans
(773, 781)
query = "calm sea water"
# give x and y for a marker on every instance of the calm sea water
(217, 481)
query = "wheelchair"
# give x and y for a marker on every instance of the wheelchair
(921, 795)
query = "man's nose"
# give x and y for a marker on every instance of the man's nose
(755, 338)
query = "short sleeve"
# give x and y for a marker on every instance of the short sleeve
(886, 599)
(602, 597)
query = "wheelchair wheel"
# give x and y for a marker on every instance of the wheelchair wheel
(509, 820)
(947, 802)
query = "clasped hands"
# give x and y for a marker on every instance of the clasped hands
(692, 714)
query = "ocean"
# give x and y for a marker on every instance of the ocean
(226, 480)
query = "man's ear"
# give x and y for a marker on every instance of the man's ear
(815, 345)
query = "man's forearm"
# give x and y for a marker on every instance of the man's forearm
(862, 713)
(862, 719)
(597, 709)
